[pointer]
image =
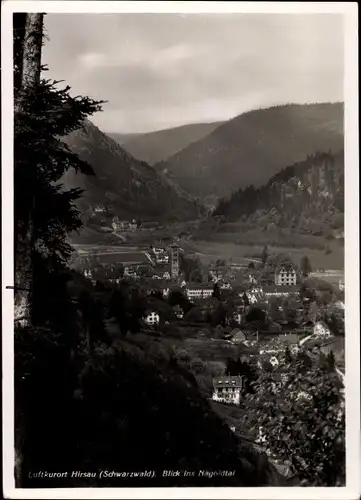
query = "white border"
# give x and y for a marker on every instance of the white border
(349, 10)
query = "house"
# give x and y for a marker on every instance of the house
(158, 285)
(285, 276)
(321, 330)
(252, 278)
(99, 209)
(278, 345)
(161, 272)
(158, 250)
(226, 286)
(199, 290)
(88, 274)
(274, 361)
(237, 336)
(152, 318)
(237, 317)
(236, 266)
(116, 225)
(130, 272)
(162, 258)
(227, 389)
(178, 312)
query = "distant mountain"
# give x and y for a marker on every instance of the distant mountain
(252, 147)
(305, 198)
(125, 186)
(161, 144)
(122, 138)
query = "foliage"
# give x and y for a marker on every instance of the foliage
(274, 308)
(216, 292)
(271, 204)
(305, 265)
(194, 315)
(301, 415)
(245, 369)
(250, 138)
(41, 160)
(219, 316)
(336, 322)
(255, 314)
(190, 267)
(264, 255)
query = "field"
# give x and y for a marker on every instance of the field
(211, 250)
(112, 254)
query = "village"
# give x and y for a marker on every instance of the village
(261, 309)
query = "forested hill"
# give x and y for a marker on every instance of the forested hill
(252, 147)
(121, 138)
(127, 186)
(159, 145)
(304, 196)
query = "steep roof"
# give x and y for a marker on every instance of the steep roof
(238, 334)
(228, 381)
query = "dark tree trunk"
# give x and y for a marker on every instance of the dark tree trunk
(27, 59)
(28, 38)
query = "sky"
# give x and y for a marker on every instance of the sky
(164, 70)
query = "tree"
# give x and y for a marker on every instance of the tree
(288, 355)
(265, 255)
(216, 292)
(177, 298)
(245, 299)
(242, 368)
(273, 309)
(194, 315)
(290, 311)
(196, 276)
(336, 323)
(313, 312)
(302, 417)
(45, 213)
(305, 265)
(256, 314)
(219, 315)
(220, 263)
(27, 64)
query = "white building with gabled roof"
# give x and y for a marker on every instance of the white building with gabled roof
(227, 389)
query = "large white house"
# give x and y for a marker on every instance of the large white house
(227, 389)
(199, 290)
(285, 276)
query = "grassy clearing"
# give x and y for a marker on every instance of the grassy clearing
(211, 250)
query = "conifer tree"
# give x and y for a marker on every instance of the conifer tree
(45, 213)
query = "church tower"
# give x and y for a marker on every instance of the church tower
(174, 261)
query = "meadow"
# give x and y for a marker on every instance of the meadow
(209, 251)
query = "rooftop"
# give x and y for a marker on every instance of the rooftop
(203, 286)
(227, 381)
(280, 289)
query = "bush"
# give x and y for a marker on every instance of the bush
(198, 366)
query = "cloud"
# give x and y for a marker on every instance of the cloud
(165, 70)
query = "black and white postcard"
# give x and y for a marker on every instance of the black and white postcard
(180, 250)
